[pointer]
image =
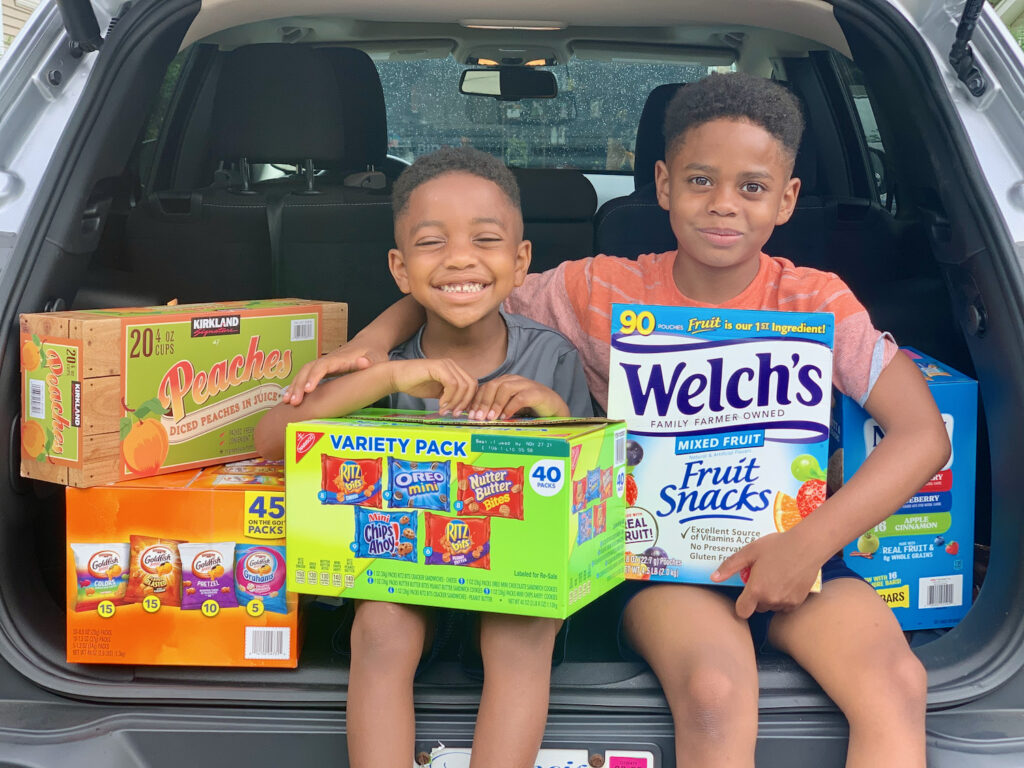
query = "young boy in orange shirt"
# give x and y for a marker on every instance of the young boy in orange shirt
(727, 182)
(459, 231)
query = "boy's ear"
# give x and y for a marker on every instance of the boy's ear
(661, 183)
(524, 255)
(788, 202)
(396, 263)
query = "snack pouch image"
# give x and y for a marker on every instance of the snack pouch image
(392, 535)
(155, 570)
(593, 485)
(606, 483)
(350, 481)
(579, 494)
(207, 573)
(600, 518)
(260, 574)
(102, 572)
(585, 531)
(418, 484)
(492, 491)
(458, 541)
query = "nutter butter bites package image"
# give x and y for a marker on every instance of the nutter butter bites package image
(116, 394)
(409, 507)
(728, 416)
(920, 559)
(180, 569)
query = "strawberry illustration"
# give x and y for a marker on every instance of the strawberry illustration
(810, 496)
(952, 548)
(631, 491)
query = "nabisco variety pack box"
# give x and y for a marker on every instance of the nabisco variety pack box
(185, 568)
(112, 394)
(728, 414)
(523, 517)
(920, 560)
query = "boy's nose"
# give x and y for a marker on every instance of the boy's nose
(460, 254)
(723, 201)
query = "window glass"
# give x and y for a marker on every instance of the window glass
(147, 147)
(853, 80)
(591, 124)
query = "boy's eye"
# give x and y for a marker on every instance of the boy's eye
(429, 242)
(702, 181)
(487, 239)
(752, 187)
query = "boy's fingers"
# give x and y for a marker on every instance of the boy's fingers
(746, 603)
(733, 564)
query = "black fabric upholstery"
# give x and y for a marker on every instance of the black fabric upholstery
(558, 214)
(650, 134)
(364, 114)
(278, 103)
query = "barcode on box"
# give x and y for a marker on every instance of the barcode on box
(36, 404)
(940, 591)
(620, 447)
(303, 330)
(267, 643)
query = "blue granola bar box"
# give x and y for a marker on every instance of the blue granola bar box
(920, 559)
(728, 418)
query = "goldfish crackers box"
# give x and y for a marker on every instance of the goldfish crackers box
(185, 568)
(728, 414)
(114, 394)
(920, 560)
(520, 517)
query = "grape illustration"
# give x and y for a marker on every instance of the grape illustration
(805, 467)
(634, 453)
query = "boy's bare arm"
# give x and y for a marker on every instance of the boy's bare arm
(421, 378)
(784, 565)
(371, 345)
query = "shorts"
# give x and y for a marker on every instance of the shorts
(834, 568)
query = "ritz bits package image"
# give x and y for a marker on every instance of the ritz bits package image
(116, 394)
(728, 416)
(413, 508)
(186, 568)
(920, 559)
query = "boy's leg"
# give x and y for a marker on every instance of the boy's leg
(851, 643)
(387, 642)
(516, 652)
(704, 659)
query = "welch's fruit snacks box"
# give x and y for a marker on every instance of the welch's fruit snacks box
(522, 517)
(728, 417)
(920, 559)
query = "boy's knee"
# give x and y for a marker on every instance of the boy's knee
(713, 699)
(894, 688)
(387, 631)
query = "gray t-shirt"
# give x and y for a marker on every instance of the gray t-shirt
(535, 352)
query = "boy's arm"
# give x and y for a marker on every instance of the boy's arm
(341, 396)
(371, 345)
(783, 566)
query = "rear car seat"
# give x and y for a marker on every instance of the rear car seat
(558, 214)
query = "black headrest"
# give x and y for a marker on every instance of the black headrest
(278, 102)
(365, 116)
(561, 194)
(650, 135)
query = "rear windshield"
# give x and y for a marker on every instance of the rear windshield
(591, 124)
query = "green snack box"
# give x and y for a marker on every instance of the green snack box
(523, 517)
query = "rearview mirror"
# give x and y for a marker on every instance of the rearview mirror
(509, 83)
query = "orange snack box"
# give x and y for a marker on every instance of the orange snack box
(133, 532)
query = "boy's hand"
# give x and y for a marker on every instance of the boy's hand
(779, 575)
(505, 396)
(434, 378)
(345, 359)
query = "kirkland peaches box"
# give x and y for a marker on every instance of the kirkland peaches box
(186, 568)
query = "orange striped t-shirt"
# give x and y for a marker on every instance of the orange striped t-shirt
(576, 299)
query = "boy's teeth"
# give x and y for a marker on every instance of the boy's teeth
(462, 288)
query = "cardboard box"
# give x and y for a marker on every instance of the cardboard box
(113, 394)
(920, 560)
(523, 517)
(728, 414)
(137, 548)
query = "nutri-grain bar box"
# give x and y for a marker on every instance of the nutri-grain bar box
(728, 416)
(524, 517)
(920, 559)
(114, 394)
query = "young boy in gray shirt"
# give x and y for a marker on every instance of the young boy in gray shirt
(459, 232)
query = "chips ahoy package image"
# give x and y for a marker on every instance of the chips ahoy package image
(728, 416)
(920, 559)
(522, 517)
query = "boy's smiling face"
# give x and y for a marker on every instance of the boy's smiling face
(460, 248)
(726, 186)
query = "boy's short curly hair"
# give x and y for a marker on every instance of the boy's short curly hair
(736, 95)
(453, 160)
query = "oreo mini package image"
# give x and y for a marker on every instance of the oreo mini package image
(260, 575)
(207, 573)
(458, 541)
(350, 481)
(493, 491)
(593, 485)
(155, 570)
(418, 484)
(102, 572)
(390, 535)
